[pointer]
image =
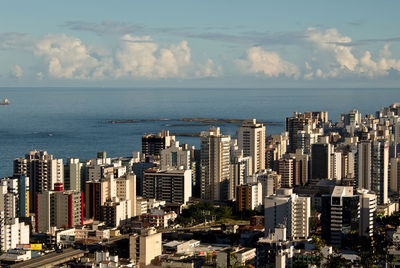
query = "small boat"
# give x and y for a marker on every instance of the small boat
(5, 102)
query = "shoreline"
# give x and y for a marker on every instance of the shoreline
(199, 120)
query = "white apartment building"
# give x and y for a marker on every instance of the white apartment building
(306, 138)
(336, 166)
(215, 165)
(13, 233)
(126, 190)
(115, 211)
(373, 168)
(175, 157)
(368, 206)
(251, 139)
(97, 165)
(241, 169)
(249, 196)
(43, 170)
(288, 209)
(73, 175)
(270, 181)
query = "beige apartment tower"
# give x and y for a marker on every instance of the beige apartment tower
(215, 165)
(251, 139)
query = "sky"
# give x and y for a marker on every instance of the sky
(255, 44)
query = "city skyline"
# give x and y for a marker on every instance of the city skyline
(200, 44)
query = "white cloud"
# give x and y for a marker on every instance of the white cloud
(141, 57)
(135, 57)
(333, 57)
(68, 57)
(330, 47)
(209, 69)
(381, 66)
(268, 63)
(17, 72)
(327, 53)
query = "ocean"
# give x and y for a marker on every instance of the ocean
(74, 122)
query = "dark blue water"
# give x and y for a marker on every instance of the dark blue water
(72, 122)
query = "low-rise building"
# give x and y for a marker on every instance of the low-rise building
(158, 218)
(236, 257)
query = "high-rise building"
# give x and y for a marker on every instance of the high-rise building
(153, 144)
(175, 157)
(138, 169)
(368, 207)
(96, 194)
(251, 139)
(215, 165)
(126, 190)
(58, 209)
(12, 206)
(340, 215)
(43, 171)
(394, 185)
(306, 138)
(270, 181)
(372, 170)
(363, 168)
(172, 186)
(286, 170)
(380, 170)
(348, 161)
(14, 193)
(301, 168)
(352, 118)
(336, 166)
(276, 148)
(294, 124)
(99, 167)
(13, 233)
(249, 196)
(321, 153)
(115, 210)
(72, 175)
(241, 169)
(113, 191)
(288, 209)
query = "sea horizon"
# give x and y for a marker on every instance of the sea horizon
(74, 121)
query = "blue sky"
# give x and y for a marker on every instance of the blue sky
(200, 43)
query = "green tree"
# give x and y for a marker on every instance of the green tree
(336, 261)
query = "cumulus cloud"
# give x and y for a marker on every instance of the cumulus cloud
(267, 63)
(333, 57)
(141, 57)
(135, 57)
(327, 41)
(381, 66)
(326, 53)
(67, 57)
(17, 72)
(209, 69)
